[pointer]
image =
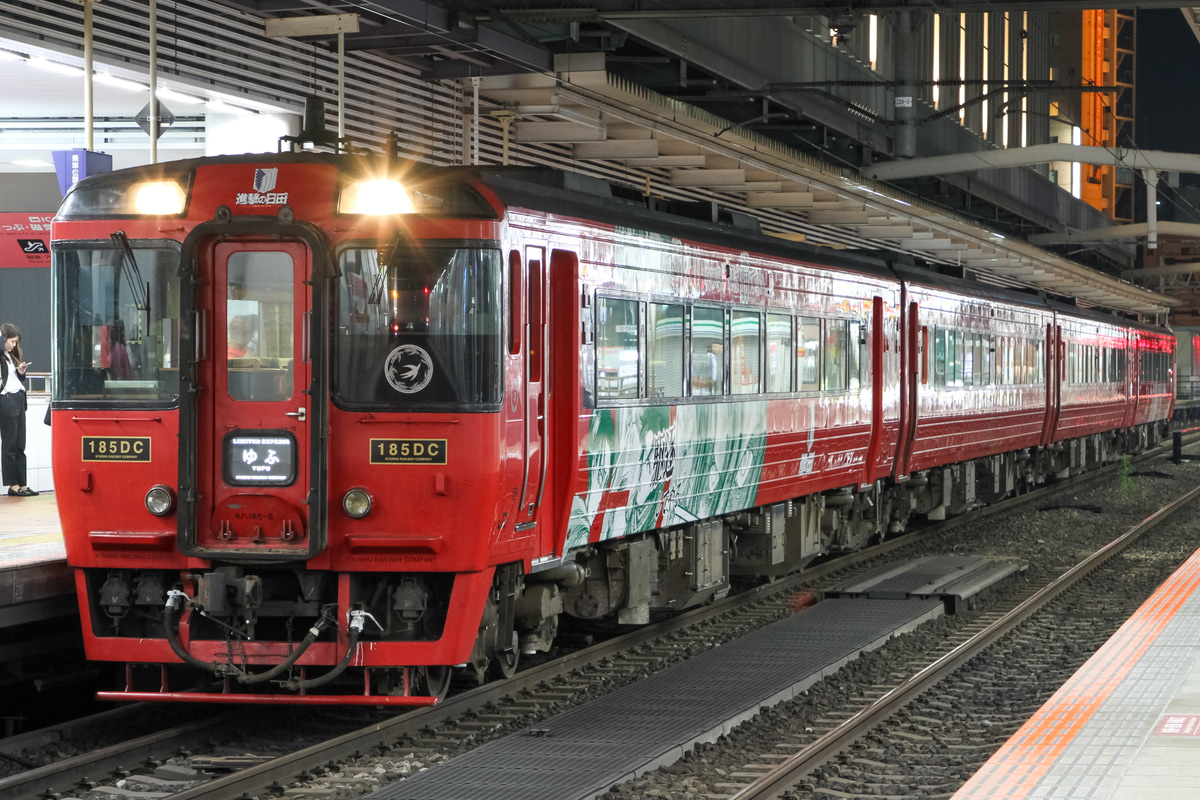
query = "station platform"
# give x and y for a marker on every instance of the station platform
(35, 583)
(585, 751)
(1127, 725)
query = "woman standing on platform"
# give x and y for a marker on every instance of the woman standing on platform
(12, 413)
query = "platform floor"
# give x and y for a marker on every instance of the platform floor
(1126, 726)
(35, 582)
(653, 722)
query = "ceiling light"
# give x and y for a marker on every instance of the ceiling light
(56, 66)
(30, 162)
(109, 79)
(179, 97)
(217, 107)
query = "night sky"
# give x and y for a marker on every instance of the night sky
(1168, 83)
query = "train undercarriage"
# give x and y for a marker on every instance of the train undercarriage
(626, 579)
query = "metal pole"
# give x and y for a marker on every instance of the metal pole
(905, 112)
(475, 121)
(1151, 177)
(154, 81)
(341, 88)
(88, 110)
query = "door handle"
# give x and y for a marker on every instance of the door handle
(300, 414)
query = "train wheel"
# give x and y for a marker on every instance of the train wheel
(435, 680)
(505, 663)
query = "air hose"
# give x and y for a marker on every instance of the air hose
(357, 621)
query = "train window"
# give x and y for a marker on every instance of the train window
(117, 310)
(779, 353)
(1000, 359)
(744, 341)
(856, 354)
(939, 357)
(616, 349)
(664, 350)
(516, 318)
(422, 331)
(835, 348)
(808, 354)
(983, 362)
(260, 316)
(708, 351)
(970, 358)
(923, 349)
(1002, 366)
(954, 358)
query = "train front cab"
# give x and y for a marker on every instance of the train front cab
(318, 419)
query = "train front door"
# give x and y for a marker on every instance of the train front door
(254, 415)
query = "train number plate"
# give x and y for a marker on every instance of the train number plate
(116, 448)
(408, 451)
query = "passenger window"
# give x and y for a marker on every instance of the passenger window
(808, 354)
(779, 353)
(616, 349)
(983, 373)
(664, 350)
(835, 353)
(954, 358)
(744, 339)
(856, 351)
(708, 352)
(969, 358)
(939, 357)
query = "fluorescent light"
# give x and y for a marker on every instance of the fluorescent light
(30, 162)
(179, 97)
(109, 79)
(217, 107)
(56, 66)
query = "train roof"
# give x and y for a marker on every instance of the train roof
(597, 200)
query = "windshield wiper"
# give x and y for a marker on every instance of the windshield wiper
(133, 275)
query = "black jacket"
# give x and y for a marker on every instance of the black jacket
(11, 405)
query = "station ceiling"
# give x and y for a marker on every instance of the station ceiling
(613, 81)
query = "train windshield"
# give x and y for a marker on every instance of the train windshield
(419, 329)
(117, 322)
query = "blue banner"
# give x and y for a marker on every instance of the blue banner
(71, 165)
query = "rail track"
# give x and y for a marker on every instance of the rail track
(180, 760)
(787, 774)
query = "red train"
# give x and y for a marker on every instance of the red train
(459, 403)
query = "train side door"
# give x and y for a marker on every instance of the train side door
(1055, 370)
(534, 393)
(254, 468)
(912, 358)
(878, 377)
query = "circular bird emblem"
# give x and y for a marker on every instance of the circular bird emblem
(408, 369)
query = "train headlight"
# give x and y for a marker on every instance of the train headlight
(159, 198)
(160, 500)
(357, 503)
(375, 197)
